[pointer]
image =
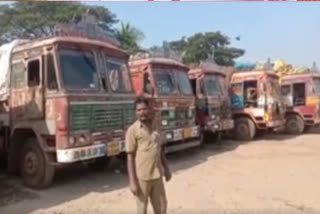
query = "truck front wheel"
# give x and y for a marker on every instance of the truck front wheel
(35, 170)
(244, 129)
(294, 124)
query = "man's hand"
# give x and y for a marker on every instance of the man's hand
(134, 187)
(167, 175)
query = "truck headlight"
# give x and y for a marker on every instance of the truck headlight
(169, 136)
(82, 139)
(164, 122)
(171, 114)
(72, 141)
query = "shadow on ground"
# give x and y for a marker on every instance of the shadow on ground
(76, 182)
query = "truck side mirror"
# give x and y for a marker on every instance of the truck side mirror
(147, 87)
(201, 87)
(263, 87)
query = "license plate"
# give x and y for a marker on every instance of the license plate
(113, 148)
(187, 133)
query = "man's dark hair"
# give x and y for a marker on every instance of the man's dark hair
(141, 100)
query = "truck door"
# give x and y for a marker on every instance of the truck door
(27, 91)
(299, 94)
(237, 96)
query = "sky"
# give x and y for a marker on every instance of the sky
(279, 30)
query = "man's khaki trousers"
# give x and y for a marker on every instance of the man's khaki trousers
(153, 190)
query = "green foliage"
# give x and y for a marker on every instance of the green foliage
(30, 20)
(202, 46)
(129, 37)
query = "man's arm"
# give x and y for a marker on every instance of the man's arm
(167, 172)
(133, 181)
(131, 153)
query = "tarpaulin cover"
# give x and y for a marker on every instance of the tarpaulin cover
(5, 56)
(244, 66)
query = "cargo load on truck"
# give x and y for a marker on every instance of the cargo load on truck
(5, 56)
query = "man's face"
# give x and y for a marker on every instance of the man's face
(142, 112)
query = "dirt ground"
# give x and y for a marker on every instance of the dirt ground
(273, 174)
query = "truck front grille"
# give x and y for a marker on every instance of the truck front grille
(100, 117)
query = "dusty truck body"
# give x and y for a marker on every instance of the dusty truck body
(213, 107)
(165, 82)
(65, 99)
(302, 99)
(256, 103)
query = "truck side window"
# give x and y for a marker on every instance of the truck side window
(18, 79)
(34, 73)
(299, 94)
(51, 73)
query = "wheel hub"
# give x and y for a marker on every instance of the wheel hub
(292, 125)
(242, 129)
(31, 163)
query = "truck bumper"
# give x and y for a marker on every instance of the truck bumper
(181, 134)
(90, 152)
(276, 123)
(221, 125)
(182, 146)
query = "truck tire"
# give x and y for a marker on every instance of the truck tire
(294, 125)
(244, 129)
(35, 170)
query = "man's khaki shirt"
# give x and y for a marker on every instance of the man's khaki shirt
(147, 145)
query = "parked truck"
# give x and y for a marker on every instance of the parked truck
(213, 107)
(256, 102)
(164, 81)
(64, 99)
(302, 98)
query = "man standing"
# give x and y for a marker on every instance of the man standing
(146, 161)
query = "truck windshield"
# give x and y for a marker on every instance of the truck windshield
(212, 85)
(223, 85)
(164, 82)
(316, 85)
(183, 82)
(118, 75)
(79, 70)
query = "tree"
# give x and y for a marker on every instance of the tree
(30, 20)
(129, 37)
(203, 45)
